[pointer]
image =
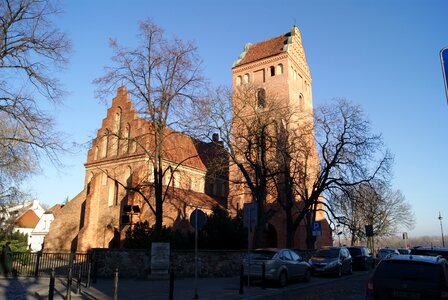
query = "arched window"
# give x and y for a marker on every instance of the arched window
(238, 80)
(105, 143)
(117, 121)
(89, 180)
(246, 78)
(261, 98)
(127, 136)
(112, 192)
(301, 102)
(279, 69)
(104, 178)
(128, 176)
(272, 69)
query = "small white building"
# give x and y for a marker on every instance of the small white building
(36, 238)
(33, 220)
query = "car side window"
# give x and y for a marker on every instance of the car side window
(295, 256)
(287, 255)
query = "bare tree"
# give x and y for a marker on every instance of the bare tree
(373, 204)
(31, 50)
(163, 78)
(348, 155)
(248, 122)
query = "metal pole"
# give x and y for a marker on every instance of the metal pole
(68, 295)
(241, 290)
(89, 269)
(248, 248)
(196, 255)
(116, 285)
(78, 287)
(51, 287)
(171, 292)
(441, 229)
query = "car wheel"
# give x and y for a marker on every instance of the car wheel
(282, 279)
(307, 276)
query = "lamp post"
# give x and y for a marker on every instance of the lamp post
(441, 229)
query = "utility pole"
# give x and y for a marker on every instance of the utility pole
(441, 229)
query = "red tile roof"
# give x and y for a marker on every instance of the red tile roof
(264, 49)
(28, 219)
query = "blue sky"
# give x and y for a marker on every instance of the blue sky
(382, 54)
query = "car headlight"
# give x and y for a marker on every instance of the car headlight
(332, 264)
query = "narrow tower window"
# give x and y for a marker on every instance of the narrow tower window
(280, 69)
(261, 98)
(272, 70)
(246, 78)
(238, 80)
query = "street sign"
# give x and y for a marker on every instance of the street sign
(316, 228)
(250, 215)
(198, 216)
(444, 61)
(369, 230)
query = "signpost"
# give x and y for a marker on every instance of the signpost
(250, 214)
(197, 219)
(444, 61)
(317, 228)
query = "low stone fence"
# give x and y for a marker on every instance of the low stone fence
(137, 263)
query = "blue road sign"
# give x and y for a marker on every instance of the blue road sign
(316, 228)
(197, 218)
(250, 215)
(444, 60)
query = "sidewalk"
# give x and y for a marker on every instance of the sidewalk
(204, 288)
(207, 289)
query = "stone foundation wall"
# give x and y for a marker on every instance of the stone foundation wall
(137, 263)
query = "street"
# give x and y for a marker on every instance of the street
(346, 287)
(349, 287)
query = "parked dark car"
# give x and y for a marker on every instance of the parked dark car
(362, 257)
(281, 265)
(404, 250)
(409, 277)
(432, 251)
(385, 253)
(331, 260)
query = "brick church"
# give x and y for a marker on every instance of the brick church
(100, 214)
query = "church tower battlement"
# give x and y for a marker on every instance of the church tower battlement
(279, 66)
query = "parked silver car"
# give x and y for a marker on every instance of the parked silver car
(281, 265)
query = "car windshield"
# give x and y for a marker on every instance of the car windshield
(408, 271)
(328, 253)
(354, 251)
(262, 254)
